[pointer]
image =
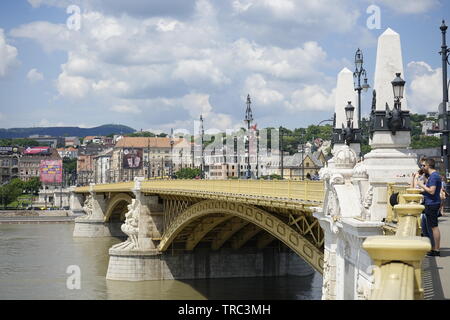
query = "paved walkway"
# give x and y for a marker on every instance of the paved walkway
(436, 270)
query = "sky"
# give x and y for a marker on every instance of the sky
(159, 64)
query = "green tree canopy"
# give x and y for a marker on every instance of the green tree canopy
(188, 173)
(11, 191)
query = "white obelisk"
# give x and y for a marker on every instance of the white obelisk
(389, 161)
(389, 62)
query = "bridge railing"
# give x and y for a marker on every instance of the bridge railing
(301, 190)
(398, 258)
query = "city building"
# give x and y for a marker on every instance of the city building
(53, 196)
(72, 141)
(70, 152)
(30, 161)
(102, 166)
(429, 125)
(108, 141)
(85, 162)
(148, 157)
(50, 141)
(9, 163)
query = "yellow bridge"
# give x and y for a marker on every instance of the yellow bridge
(185, 214)
(217, 211)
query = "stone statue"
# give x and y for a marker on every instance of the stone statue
(130, 227)
(88, 207)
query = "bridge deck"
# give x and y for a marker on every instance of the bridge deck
(436, 270)
(285, 193)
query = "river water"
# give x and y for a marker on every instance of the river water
(34, 260)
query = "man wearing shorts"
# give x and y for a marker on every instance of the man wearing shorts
(432, 200)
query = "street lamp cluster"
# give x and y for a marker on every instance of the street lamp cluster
(381, 120)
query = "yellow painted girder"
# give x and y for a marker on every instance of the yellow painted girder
(244, 236)
(205, 226)
(280, 230)
(229, 229)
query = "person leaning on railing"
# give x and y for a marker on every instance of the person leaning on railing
(432, 200)
(422, 176)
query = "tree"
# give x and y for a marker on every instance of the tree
(11, 191)
(188, 173)
(141, 134)
(419, 142)
(69, 165)
(32, 186)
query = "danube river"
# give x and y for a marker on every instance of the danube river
(34, 259)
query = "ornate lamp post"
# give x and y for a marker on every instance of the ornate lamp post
(248, 119)
(394, 116)
(282, 153)
(202, 165)
(360, 71)
(349, 134)
(171, 154)
(391, 120)
(444, 124)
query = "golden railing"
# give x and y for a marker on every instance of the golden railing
(398, 258)
(283, 189)
(299, 190)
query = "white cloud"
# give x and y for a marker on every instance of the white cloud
(258, 89)
(425, 87)
(126, 109)
(72, 86)
(410, 6)
(311, 97)
(194, 71)
(34, 76)
(172, 69)
(196, 104)
(8, 55)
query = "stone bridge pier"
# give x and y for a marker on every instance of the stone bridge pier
(103, 214)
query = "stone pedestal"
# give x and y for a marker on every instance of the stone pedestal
(76, 201)
(347, 267)
(138, 265)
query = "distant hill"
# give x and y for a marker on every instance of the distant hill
(66, 131)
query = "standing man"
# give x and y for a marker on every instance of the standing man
(432, 200)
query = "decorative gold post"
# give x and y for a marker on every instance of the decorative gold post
(398, 258)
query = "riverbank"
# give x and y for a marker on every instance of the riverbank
(34, 216)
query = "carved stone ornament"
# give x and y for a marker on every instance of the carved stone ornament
(360, 171)
(88, 207)
(345, 158)
(367, 202)
(130, 227)
(337, 178)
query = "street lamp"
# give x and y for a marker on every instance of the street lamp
(349, 111)
(395, 117)
(398, 86)
(282, 153)
(360, 71)
(248, 119)
(349, 132)
(202, 165)
(171, 153)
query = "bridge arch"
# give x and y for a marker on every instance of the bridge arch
(117, 206)
(274, 226)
